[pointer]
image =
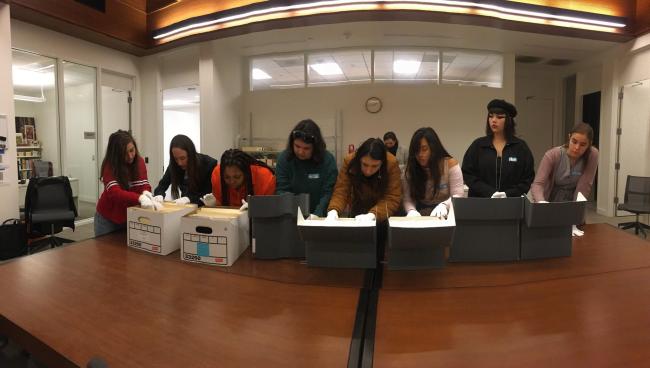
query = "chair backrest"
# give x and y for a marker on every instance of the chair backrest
(50, 194)
(637, 190)
(41, 169)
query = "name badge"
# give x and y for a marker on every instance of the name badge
(512, 159)
(313, 176)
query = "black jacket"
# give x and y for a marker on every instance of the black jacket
(206, 165)
(480, 170)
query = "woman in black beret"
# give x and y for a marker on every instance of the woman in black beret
(499, 164)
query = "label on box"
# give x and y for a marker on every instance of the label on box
(145, 236)
(205, 248)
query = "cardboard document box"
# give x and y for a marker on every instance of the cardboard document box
(344, 243)
(546, 229)
(156, 231)
(416, 243)
(487, 229)
(214, 236)
(275, 233)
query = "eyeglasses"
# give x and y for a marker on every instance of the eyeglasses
(299, 134)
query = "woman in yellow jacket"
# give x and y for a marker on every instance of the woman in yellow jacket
(368, 186)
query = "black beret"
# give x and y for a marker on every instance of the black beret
(503, 105)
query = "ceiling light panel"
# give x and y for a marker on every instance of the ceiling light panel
(283, 71)
(406, 65)
(472, 68)
(339, 67)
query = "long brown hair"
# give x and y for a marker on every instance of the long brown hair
(416, 176)
(114, 158)
(193, 165)
(373, 147)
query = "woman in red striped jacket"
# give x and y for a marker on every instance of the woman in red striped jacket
(124, 175)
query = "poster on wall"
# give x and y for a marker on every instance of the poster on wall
(27, 127)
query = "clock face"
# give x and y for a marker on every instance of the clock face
(373, 105)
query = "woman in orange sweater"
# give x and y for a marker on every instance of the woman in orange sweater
(241, 175)
(368, 185)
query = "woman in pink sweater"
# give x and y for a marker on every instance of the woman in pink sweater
(432, 176)
(568, 169)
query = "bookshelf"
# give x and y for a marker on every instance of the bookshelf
(24, 156)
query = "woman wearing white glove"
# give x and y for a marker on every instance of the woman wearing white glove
(368, 182)
(124, 175)
(499, 161)
(189, 173)
(432, 176)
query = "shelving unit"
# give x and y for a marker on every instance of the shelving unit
(264, 154)
(24, 160)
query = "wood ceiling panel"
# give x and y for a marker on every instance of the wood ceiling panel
(185, 9)
(618, 8)
(642, 20)
(139, 5)
(121, 20)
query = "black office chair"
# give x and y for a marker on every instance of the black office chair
(49, 207)
(637, 201)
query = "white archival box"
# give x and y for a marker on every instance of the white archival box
(214, 236)
(156, 231)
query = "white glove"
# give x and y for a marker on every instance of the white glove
(332, 215)
(365, 217)
(159, 198)
(440, 211)
(413, 213)
(313, 217)
(576, 232)
(542, 201)
(182, 200)
(146, 202)
(209, 200)
(244, 205)
(499, 195)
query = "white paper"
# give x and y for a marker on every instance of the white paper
(341, 222)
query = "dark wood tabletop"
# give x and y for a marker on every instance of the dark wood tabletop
(133, 309)
(603, 248)
(589, 310)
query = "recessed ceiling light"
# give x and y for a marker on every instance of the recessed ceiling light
(259, 74)
(406, 66)
(326, 69)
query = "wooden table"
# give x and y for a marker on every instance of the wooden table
(588, 310)
(133, 309)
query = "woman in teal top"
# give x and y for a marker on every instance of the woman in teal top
(307, 167)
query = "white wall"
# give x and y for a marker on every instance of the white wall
(9, 185)
(539, 105)
(221, 81)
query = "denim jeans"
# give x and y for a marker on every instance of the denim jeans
(104, 226)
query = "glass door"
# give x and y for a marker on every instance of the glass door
(79, 134)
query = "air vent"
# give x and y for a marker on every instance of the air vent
(559, 62)
(527, 59)
(99, 5)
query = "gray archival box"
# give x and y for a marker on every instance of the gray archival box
(339, 246)
(275, 234)
(546, 231)
(417, 248)
(487, 229)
